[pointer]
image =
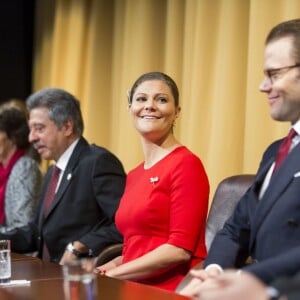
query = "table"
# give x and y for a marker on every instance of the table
(35, 270)
(17, 257)
(47, 284)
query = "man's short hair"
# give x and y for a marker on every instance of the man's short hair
(291, 29)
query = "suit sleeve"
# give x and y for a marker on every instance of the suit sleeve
(108, 183)
(230, 246)
(288, 286)
(284, 264)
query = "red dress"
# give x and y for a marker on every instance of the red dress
(165, 204)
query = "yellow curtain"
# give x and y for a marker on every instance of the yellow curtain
(212, 48)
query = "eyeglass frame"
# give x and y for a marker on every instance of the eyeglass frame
(269, 71)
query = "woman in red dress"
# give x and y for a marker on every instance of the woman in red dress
(162, 213)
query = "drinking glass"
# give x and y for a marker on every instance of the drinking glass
(5, 261)
(79, 280)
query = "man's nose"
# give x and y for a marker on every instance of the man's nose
(266, 85)
(31, 136)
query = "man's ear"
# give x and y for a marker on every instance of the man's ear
(68, 127)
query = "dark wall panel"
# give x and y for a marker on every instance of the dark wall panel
(16, 45)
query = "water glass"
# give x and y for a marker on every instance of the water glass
(79, 280)
(5, 261)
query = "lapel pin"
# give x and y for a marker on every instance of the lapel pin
(153, 180)
(297, 174)
(69, 176)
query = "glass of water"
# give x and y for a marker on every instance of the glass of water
(79, 280)
(5, 261)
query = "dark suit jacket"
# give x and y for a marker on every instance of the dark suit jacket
(268, 230)
(83, 208)
(288, 286)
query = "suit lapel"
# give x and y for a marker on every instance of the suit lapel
(279, 182)
(68, 175)
(258, 183)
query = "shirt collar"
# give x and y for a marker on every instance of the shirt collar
(65, 157)
(296, 127)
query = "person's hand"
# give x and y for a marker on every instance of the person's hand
(200, 277)
(105, 268)
(192, 288)
(231, 286)
(204, 274)
(67, 257)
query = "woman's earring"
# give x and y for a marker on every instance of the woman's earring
(128, 96)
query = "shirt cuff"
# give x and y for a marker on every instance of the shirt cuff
(273, 293)
(214, 266)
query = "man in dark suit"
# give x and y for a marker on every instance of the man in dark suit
(265, 224)
(79, 220)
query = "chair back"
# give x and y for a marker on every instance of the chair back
(227, 195)
(108, 253)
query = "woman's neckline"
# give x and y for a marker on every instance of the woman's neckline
(162, 157)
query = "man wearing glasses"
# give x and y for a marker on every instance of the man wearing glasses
(265, 225)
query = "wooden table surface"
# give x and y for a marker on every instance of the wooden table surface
(22, 257)
(46, 283)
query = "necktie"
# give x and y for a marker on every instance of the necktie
(284, 149)
(49, 196)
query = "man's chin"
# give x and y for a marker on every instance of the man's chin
(278, 117)
(45, 156)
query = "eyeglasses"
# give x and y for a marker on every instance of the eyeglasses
(275, 74)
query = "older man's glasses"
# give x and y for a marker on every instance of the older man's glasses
(274, 74)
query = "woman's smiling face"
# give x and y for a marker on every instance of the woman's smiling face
(153, 109)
